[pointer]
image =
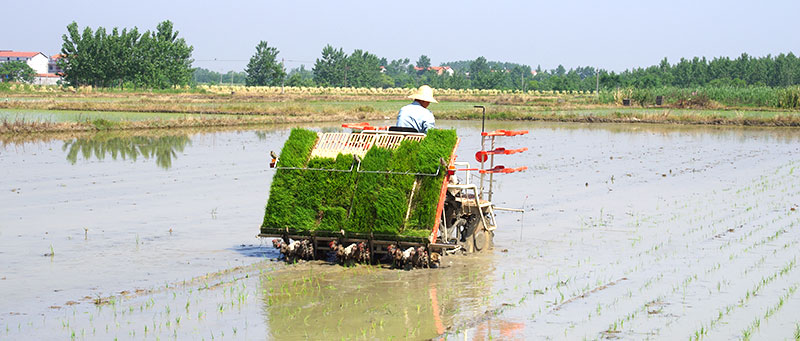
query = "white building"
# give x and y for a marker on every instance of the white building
(46, 79)
(47, 72)
(36, 60)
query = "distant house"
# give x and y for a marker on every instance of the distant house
(36, 60)
(47, 72)
(441, 69)
(438, 69)
(52, 64)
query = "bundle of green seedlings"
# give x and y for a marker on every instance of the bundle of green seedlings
(379, 203)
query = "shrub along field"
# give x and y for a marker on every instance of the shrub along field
(309, 200)
(709, 97)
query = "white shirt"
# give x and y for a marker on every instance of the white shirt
(415, 116)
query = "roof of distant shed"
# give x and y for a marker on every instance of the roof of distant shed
(19, 54)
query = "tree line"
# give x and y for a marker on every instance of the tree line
(160, 59)
(206, 76)
(364, 69)
(157, 59)
(774, 71)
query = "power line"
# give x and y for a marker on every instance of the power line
(247, 60)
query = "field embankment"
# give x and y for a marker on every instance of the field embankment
(236, 105)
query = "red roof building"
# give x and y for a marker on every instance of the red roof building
(17, 54)
(439, 69)
(36, 60)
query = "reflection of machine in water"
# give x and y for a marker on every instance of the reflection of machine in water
(162, 148)
(322, 302)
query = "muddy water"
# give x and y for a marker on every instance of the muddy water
(630, 231)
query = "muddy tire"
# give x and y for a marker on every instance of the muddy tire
(484, 240)
(477, 239)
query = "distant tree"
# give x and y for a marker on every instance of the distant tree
(330, 69)
(518, 77)
(300, 77)
(154, 59)
(363, 69)
(423, 61)
(205, 76)
(397, 67)
(459, 80)
(397, 71)
(479, 65)
(263, 68)
(172, 55)
(483, 77)
(16, 71)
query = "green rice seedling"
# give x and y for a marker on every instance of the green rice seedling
(283, 209)
(359, 202)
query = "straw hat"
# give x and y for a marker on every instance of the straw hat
(424, 93)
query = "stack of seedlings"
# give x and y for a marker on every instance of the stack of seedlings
(379, 200)
(308, 200)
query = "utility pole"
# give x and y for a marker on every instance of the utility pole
(597, 82)
(522, 80)
(220, 73)
(283, 79)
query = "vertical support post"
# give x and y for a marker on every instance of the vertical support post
(483, 141)
(491, 175)
(442, 196)
(483, 145)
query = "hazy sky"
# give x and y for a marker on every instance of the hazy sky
(609, 34)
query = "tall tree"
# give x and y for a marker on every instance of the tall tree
(175, 54)
(423, 61)
(263, 68)
(330, 70)
(154, 59)
(363, 69)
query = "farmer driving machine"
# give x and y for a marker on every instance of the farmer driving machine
(383, 194)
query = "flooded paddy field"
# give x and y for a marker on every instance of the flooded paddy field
(57, 116)
(629, 231)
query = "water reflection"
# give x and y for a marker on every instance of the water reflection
(321, 302)
(261, 134)
(162, 148)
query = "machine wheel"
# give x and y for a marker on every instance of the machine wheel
(483, 240)
(479, 239)
(476, 238)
